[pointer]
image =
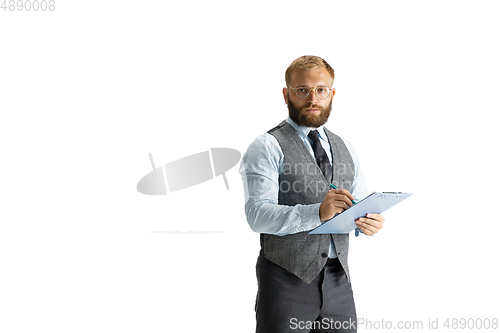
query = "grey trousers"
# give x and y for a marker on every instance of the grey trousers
(286, 304)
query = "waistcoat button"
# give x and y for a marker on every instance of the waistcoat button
(324, 255)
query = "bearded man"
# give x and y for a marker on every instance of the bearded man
(303, 280)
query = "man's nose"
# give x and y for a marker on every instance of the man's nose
(312, 98)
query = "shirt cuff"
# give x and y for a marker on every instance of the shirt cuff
(358, 232)
(310, 216)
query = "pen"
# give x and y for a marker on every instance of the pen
(334, 187)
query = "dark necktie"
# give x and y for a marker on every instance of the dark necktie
(320, 155)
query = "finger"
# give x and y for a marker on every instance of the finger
(341, 204)
(370, 224)
(366, 228)
(344, 198)
(333, 196)
(377, 217)
(366, 231)
(345, 192)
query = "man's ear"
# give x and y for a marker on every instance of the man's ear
(285, 94)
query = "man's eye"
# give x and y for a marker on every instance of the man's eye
(302, 90)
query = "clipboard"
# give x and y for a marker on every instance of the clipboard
(377, 202)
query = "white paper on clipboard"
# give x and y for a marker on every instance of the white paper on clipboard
(377, 202)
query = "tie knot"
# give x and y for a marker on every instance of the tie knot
(314, 136)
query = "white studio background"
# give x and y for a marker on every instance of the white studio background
(89, 89)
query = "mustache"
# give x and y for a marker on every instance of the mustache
(315, 106)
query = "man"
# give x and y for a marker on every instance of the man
(303, 280)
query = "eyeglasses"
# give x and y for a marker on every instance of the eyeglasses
(322, 92)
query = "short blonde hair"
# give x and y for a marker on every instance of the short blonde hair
(307, 62)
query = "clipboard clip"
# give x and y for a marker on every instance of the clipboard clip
(398, 194)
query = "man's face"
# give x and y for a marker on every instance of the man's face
(312, 111)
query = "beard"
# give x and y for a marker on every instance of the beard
(301, 118)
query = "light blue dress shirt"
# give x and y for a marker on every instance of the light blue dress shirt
(260, 168)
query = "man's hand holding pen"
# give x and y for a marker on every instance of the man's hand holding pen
(338, 200)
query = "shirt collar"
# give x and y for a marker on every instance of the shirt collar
(304, 131)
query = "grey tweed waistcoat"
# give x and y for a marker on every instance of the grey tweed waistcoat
(302, 182)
